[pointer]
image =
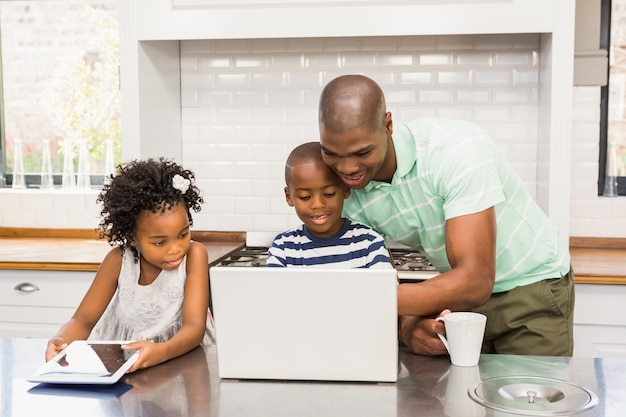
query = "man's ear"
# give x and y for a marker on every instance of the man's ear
(388, 123)
(288, 197)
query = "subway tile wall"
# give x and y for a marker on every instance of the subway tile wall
(590, 215)
(247, 103)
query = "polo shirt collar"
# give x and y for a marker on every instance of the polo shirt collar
(404, 144)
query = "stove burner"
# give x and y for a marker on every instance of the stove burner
(251, 251)
(247, 256)
(239, 262)
(408, 260)
(236, 258)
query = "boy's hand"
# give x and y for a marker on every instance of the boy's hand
(55, 345)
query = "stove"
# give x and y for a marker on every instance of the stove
(412, 266)
(247, 256)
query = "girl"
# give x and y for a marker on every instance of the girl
(152, 287)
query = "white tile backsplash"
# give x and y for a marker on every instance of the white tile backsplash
(590, 214)
(247, 103)
(451, 76)
(48, 209)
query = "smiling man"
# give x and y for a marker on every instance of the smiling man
(442, 187)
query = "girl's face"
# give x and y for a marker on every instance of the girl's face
(163, 238)
(317, 195)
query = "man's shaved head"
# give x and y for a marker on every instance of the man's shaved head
(352, 101)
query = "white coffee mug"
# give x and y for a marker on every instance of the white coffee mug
(464, 336)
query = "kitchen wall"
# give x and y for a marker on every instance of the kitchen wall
(235, 94)
(246, 103)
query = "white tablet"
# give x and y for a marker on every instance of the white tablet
(87, 362)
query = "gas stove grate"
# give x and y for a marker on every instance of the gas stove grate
(403, 259)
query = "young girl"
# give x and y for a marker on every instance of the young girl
(152, 287)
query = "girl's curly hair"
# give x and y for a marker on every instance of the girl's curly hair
(143, 185)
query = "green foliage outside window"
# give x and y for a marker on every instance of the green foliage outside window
(60, 72)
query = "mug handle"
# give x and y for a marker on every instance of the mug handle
(442, 337)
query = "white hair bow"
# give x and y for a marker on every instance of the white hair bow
(180, 183)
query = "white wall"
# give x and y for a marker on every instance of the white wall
(246, 103)
(591, 215)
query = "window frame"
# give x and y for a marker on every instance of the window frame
(605, 43)
(3, 161)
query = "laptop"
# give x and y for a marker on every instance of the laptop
(305, 323)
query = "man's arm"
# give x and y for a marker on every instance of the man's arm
(470, 247)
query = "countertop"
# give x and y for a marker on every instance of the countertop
(81, 250)
(190, 386)
(598, 260)
(594, 260)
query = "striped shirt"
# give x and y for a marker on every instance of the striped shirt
(447, 169)
(354, 246)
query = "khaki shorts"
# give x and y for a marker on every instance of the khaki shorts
(535, 319)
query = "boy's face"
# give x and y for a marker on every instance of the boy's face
(317, 195)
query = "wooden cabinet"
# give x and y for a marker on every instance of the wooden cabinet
(36, 303)
(44, 274)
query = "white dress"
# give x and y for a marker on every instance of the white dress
(143, 312)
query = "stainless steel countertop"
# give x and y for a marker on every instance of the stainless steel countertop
(190, 386)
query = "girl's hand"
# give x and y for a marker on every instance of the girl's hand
(150, 354)
(55, 345)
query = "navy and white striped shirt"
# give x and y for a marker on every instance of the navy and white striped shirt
(354, 246)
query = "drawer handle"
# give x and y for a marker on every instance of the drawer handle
(26, 287)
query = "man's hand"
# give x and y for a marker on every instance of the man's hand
(419, 334)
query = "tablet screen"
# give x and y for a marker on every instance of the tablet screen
(109, 356)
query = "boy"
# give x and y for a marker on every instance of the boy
(325, 238)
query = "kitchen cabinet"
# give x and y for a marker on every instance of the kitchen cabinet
(600, 321)
(247, 19)
(44, 274)
(36, 303)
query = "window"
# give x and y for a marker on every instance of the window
(612, 175)
(59, 89)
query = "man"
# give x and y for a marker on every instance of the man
(441, 187)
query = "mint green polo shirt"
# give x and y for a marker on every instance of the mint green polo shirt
(450, 168)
